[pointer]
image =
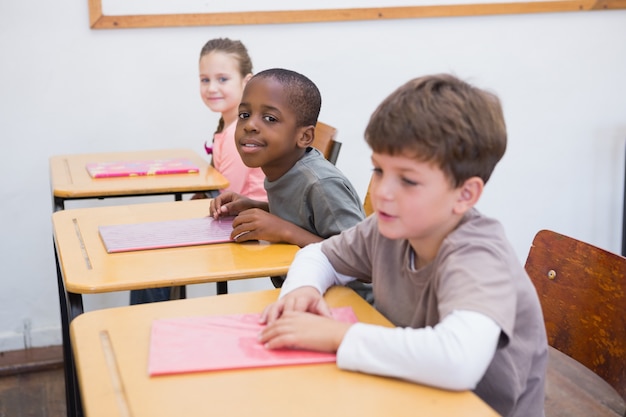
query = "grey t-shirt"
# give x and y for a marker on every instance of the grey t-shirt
(475, 269)
(316, 196)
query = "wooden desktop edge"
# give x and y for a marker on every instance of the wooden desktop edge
(82, 264)
(64, 186)
(116, 382)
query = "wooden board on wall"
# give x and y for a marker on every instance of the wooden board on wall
(98, 20)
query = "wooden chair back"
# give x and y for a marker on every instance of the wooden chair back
(367, 202)
(325, 141)
(582, 290)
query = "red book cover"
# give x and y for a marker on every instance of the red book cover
(139, 168)
(166, 234)
(209, 343)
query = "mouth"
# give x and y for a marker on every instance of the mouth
(250, 145)
(385, 216)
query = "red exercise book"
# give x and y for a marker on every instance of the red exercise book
(140, 168)
(210, 343)
(166, 234)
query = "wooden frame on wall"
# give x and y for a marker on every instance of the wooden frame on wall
(99, 21)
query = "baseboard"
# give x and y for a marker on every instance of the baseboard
(31, 360)
(38, 337)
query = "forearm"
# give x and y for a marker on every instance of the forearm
(291, 233)
(452, 355)
(310, 268)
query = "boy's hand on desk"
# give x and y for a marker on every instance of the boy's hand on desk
(258, 224)
(229, 204)
(299, 330)
(303, 299)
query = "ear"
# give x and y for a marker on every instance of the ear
(246, 79)
(468, 194)
(305, 136)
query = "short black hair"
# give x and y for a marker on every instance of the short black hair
(302, 94)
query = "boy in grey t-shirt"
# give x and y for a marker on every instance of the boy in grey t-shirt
(468, 316)
(309, 199)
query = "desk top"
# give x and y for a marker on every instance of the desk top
(87, 267)
(111, 351)
(69, 177)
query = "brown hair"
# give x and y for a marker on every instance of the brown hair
(443, 120)
(237, 50)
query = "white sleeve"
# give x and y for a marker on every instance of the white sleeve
(311, 267)
(452, 355)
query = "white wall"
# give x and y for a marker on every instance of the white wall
(65, 88)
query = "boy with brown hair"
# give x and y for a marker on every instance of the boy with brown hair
(468, 316)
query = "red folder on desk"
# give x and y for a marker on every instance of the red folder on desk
(209, 343)
(166, 234)
(139, 168)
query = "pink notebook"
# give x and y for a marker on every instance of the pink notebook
(165, 234)
(138, 168)
(210, 343)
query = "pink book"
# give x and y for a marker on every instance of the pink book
(210, 343)
(165, 234)
(139, 168)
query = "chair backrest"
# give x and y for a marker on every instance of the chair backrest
(325, 142)
(367, 202)
(582, 290)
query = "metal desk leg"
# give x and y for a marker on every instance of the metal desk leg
(58, 204)
(72, 396)
(222, 287)
(624, 210)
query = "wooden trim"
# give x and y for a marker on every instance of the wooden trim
(100, 21)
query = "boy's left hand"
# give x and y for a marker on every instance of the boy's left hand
(257, 224)
(300, 330)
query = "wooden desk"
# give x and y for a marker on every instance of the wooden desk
(69, 179)
(120, 385)
(84, 266)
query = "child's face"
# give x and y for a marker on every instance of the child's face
(267, 134)
(221, 84)
(413, 200)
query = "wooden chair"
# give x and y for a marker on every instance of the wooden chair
(367, 202)
(582, 290)
(325, 142)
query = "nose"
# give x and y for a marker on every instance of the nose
(249, 125)
(382, 187)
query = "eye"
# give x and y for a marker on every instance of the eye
(222, 80)
(204, 80)
(243, 115)
(269, 119)
(407, 181)
(377, 171)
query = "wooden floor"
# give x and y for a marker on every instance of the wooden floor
(32, 383)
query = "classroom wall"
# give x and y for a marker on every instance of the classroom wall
(65, 88)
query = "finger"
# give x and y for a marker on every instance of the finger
(322, 309)
(276, 336)
(271, 313)
(242, 236)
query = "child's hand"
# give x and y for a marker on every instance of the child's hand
(229, 204)
(303, 299)
(301, 320)
(258, 224)
(299, 330)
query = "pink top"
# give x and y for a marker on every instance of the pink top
(243, 180)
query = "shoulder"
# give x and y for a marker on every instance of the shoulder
(478, 231)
